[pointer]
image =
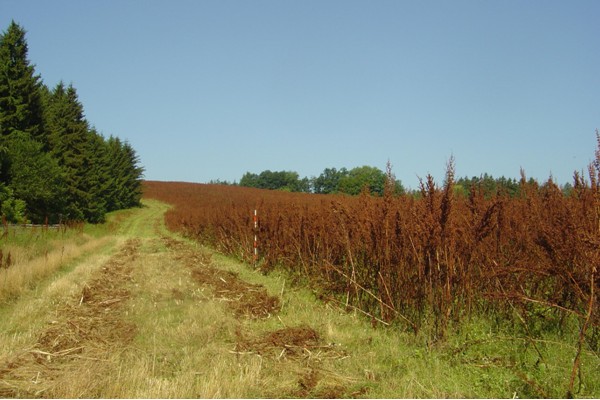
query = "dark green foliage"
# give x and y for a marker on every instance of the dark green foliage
(12, 209)
(276, 180)
(37, 179)
(329, 180)
(53, 166)
(351, 182)
(20, 102)
(360, 178)
(249, 180)
(489, 185)
(67, 133)
(124, 187)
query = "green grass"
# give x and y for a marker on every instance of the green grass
(477, 359)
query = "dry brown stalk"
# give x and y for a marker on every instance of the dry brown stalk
(576, 363)
(381, 302)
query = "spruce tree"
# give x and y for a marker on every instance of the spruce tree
(97, 177)
(20, 102)
(69, 144)
(134, 174)
(125, 189)
(51, 162)
(37, 179)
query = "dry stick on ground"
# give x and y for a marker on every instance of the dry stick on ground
(384, 304)
(550, 304)
(353, 280)
(510, 303)
(387, 291)
(576, 362)
(361, 311)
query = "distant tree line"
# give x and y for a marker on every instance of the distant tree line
(489, 185)
(331, 180)
(53, 165)
(511, 187)
(373, 180)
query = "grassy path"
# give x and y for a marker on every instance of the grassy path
(152, 315)
(149, 314)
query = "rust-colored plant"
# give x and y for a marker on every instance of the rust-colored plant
(424, 260)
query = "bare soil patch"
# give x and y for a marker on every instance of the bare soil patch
(88, 328)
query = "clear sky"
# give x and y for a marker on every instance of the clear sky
(212, 89)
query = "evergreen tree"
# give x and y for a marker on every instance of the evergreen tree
(115, 185)
(37, 179)
(95, 177)
(101, 167)
(125, 186)
(133, 174)
(69, 144)
(51, 163)
(20, 101)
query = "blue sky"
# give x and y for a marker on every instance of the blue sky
(212, 89)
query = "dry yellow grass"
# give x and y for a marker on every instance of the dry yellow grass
(186, 349)
(25, 272)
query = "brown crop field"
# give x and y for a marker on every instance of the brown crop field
(425, 262)
(410, 259)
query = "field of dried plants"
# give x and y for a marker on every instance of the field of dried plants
(131, 310)
(429, 262)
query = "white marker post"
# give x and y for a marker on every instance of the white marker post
(255, 237)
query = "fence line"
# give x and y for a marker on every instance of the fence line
(51, 226)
